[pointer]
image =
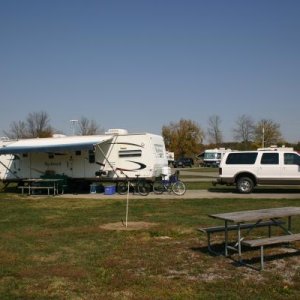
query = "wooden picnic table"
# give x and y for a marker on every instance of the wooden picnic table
(273, 215)
(40, 184)
(259, 214)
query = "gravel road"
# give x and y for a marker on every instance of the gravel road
(190, 194)
(197, 194)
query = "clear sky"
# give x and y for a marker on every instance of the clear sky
(141, 64)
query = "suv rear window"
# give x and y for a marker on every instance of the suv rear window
(291, 159)
(246, 158)
(270, 159)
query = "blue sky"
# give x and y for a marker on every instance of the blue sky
(140, 64)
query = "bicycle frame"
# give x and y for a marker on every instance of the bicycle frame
(140, 186)
(173, 184)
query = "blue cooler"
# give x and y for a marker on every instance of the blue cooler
(110, 190)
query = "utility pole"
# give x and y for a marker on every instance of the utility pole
(263, 135)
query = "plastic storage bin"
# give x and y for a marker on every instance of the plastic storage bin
(93, 188)
(110, 190)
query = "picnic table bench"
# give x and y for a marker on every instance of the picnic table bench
(270, 241)
(258, 218)
(234, 227)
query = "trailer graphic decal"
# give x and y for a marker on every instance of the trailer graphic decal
(142, 166)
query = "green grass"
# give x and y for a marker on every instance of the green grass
(54, 248)
(199, 185)
(201, 169)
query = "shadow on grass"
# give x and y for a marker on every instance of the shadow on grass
(216, 250)
(252, 262)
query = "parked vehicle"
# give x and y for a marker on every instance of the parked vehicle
(266, 166)
(115, 155)
(183, 162)
(212, 157)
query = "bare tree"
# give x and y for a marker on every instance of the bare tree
(183, 138)
(37, 124)
(88, 127)
(267, 133)
(244, 130)
(17, 130)
(214, 130)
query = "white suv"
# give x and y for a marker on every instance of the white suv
(266, 166)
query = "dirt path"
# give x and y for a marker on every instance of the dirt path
(191, 194)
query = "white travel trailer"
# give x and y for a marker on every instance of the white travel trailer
(212, 157)
(114, 155)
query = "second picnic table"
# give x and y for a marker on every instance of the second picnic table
(273, 215)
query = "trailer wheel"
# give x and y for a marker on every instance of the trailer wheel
(245, 185)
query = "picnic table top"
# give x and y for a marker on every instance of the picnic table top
(259, 214)
(42, 180)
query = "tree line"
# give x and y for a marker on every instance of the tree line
(37, 125)
(184, 138)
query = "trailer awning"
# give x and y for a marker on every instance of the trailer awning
(60, 144)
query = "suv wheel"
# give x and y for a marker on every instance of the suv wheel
(245, 185)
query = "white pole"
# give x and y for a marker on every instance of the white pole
(263, 136)
(127, 205)
(73, 124)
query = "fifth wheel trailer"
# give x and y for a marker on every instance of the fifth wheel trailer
(115, 155)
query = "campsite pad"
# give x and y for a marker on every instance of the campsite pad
(130, 226)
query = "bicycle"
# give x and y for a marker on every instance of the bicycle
(142, 186)
(174, 184)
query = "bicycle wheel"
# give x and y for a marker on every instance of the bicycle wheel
(178, 188)
(122, 187)
(143, 187)
(158, 187)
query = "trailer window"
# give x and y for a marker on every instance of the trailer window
(91, 156)
(159, 150)
(130, 153)
(209, 155)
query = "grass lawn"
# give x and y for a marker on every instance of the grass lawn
(54, 248)
(201, 169)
